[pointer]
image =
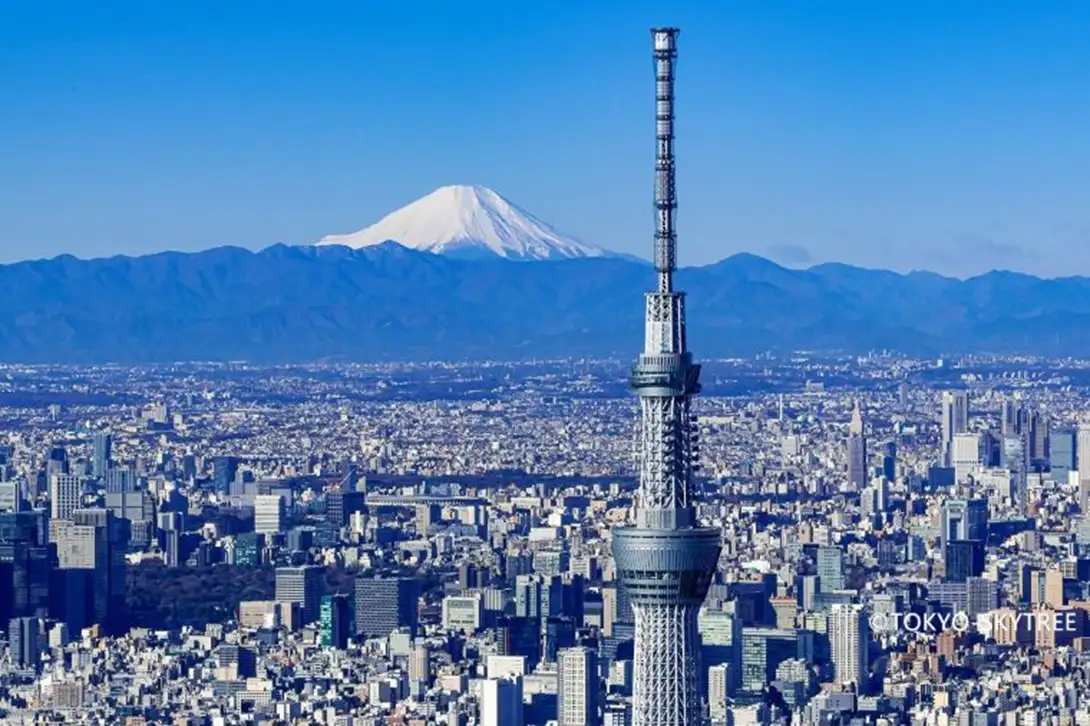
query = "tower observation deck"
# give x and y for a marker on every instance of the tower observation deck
(665, 561)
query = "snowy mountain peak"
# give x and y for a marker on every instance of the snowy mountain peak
(468, 221)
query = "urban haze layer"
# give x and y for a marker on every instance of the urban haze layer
(811, 540)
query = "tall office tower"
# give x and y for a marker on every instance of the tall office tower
(25, 642)
(11, 497)
(963, 519)
(857, 451)
(301, 585)
(965, 456)
(340, 505)
(93, 543)
(1011, 417)
(1082, 459)
(830, 568)
(224, 470)
(501, 702)
(849, 637)
(419, 668)
(335, 621)
(65, 493)
(889, 460)
(57, 461)
(577, 677)
(1061, 455)
(25, 566)
(101, 446)
(384, 604)
(1035, 432)
(964, 558)
(111, 534)
(719, 690)
(763, 649)
(666, 561)
(268, 514)
(955, 418)
(137, 506)
(120, 480)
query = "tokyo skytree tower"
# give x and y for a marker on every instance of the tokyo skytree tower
(665, 562)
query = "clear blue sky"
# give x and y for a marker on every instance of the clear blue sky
(932, 134)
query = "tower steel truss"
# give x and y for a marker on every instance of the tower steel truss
(665, 561)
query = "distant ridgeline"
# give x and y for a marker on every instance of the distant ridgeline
(387, 302)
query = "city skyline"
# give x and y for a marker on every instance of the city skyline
(901, 137)
(794, 506)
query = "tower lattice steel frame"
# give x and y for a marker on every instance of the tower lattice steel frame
(666, 561)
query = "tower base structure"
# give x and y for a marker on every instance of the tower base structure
(666, 574)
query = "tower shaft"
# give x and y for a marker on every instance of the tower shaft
(665, 561)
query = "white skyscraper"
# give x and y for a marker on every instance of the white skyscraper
(849, 636)
(719, 693)
(1082, 457)
(965, 456)
(578, 687)
(955, 418)
(65, 492)
(501, 702)
(857, 451)
(268, 513)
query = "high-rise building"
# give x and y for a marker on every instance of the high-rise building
(1011, 415)
(120, 480)
(65, 493)
(25, 642)
(224, 471)
(1037, 437)
(577, 676)
(849, 638)
(964, 559)
(93, 542)
(102, 446)
(137, 507)
(462, 612)
(889, 461)
(501, 702)
(857, 451)
(301, 585)
(25, 566)
(420, 667)
(954, 419)
(268, 514)
(384, 604)
(763, 649)
(719, 691)
(966, 456)
(963, 519)
(830, 568)
(336, 621)
(666, 560)
(519, 637)
(247, 549)
(11, 496)
(1061, 457)
(340, 505)
(1082, 453)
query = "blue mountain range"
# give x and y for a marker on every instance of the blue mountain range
(388, 302)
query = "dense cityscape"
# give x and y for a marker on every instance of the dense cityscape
(431, 544)
(796, 538)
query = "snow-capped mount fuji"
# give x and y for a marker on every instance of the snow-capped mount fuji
(469, 221)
